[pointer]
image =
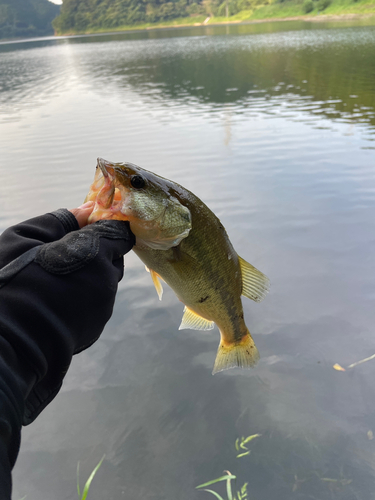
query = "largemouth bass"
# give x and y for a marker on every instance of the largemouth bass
(182, 242)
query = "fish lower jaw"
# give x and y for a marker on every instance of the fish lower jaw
(109, 203)
(113, 213)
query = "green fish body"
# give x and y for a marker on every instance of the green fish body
(181, 241)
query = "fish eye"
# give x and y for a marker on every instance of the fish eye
(137, 181)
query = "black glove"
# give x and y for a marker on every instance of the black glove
(55, 299)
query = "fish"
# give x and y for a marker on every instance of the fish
(182, 242)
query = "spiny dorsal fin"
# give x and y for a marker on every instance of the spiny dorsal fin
(156, 282)
(193, 321)
(254, 283)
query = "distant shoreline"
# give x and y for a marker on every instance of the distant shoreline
(306, 18)
(212, 22)
(318, 18)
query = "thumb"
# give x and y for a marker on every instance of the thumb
(82, 213)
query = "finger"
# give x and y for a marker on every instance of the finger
(82, 213)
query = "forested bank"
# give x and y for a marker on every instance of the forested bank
(26, 18)
(89, 16)
(81, 15)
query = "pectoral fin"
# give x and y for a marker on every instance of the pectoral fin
(254, 283)
(193, 321)
(156, 282)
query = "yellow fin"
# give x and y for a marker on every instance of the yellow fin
(193, 321)
(254, 283)
(156, 282)
(243, 354)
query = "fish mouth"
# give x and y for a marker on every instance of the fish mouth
(104, 166)
(107, 193)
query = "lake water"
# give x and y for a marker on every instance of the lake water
(273, 127)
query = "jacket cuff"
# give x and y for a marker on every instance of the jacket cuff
(67, 219)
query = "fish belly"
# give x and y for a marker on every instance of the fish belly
(214, 293)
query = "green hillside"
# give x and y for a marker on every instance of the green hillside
(90, 16)
(26, 18)
(83, 15)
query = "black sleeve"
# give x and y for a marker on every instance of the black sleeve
(57, 291)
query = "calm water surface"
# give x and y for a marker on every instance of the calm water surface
(273, 127)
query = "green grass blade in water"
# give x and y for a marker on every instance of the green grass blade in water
(229, 486)
(250, 438)
(222, 478)
(78, 488)
(88, 482)
(215, 494)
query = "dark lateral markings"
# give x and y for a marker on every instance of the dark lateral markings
(202, 299)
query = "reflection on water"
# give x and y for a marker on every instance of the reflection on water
(272, 126)
(286, 68)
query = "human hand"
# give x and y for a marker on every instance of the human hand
(82, 213)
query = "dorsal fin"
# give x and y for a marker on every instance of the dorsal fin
(155, 279)
(193, 321)
(254, 283)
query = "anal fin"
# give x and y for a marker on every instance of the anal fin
(155, 279)
(254, 283)
(193, 321)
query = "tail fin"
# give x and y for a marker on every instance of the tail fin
(243, 354)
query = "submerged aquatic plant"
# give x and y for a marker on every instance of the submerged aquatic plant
(241, 494)
(241, 443)
(88, 482)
